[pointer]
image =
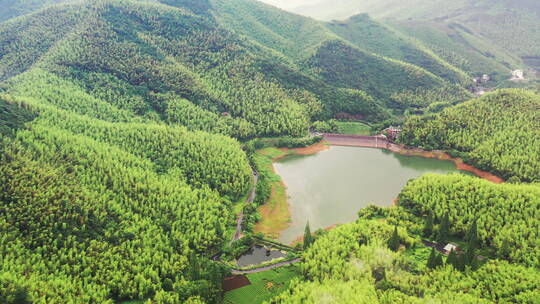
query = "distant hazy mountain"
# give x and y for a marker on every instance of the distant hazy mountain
(506, 31)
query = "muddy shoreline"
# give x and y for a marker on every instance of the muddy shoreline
(268, 210)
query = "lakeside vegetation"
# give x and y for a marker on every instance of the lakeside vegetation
(353, 128)
(129, 131)
(497, 133)
(272, 214)
(352, 264)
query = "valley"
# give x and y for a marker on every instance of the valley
(229, 151)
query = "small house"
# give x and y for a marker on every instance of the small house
(392, 133)
(449, 247)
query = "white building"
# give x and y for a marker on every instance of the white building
(449, 247)
(517, 75)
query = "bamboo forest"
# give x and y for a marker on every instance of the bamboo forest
(269, 151)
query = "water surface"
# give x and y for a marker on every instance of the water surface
(258, 255)
(330, 187)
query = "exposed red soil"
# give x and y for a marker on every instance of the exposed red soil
(313, 149)
(235, 282)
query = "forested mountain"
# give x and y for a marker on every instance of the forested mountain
(124, 150)
(15, 8)
(254, 47)
(499, 132)
(501, 34)
(353, 264)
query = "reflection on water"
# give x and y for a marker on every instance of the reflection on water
(330, 187)
(258, 255)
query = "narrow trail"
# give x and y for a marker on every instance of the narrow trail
(265, 268)
(250, 200)
(359, 141)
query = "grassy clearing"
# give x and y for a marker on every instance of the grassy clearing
(264, 286)
(353, 128)
(419, 255)
(275, 212)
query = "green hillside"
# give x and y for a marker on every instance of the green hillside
(154, 65)
(15, 8)
(377, 38)
(353, 264)
(126, 138)
(499, 35)
(498, 132)
(456, 45)
(279, 74)
(370, 65)
(95, 211)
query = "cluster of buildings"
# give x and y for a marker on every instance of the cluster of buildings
(483, 79)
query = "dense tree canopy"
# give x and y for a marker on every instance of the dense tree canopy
(351, 264)
(499, 132)
(124, 150)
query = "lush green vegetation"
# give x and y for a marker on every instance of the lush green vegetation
(378, 38)
(195, 70)
(503, 212)
(128, 137)
(350, 57)
(480, 37)
(352, 127)
(498, 132)
(352, 264)
(380, 258)
(264, 286)
(121, 210)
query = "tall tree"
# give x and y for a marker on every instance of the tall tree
(452, 259)
(472, 235)
(431, 259)
(475, 263)
(438, 260)
(470, 256)
(444, 230)
(461, 262)
(308, 238)
(428, 226)
(394, 241)
(195, 266)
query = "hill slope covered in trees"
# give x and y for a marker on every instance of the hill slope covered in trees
(279, 60)
(499, 132)
(121, 154)
(353, 264)
(495, 225)
(501, 34)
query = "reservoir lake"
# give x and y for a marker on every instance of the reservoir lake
(330, 187)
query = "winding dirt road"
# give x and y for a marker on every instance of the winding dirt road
(250, 200)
